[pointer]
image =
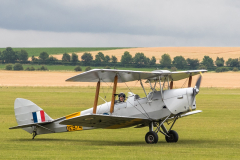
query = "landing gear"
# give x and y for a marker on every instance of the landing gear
(173, 136)
(170, 135)
(151, 137)
(34, 134)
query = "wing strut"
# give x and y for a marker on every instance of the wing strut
(113, 93)
(190, 81)
(96, 98)
(143, 87)
(171, 85)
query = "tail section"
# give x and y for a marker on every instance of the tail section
(27, 112)
(34, 120)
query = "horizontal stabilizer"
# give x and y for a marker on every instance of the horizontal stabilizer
(29, 125)
(104, 121)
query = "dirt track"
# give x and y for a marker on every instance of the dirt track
(41, 78)
(186, 52)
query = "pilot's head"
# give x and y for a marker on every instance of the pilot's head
(121, 97)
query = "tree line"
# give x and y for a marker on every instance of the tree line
(127, 60)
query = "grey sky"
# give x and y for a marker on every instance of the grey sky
(125, 23)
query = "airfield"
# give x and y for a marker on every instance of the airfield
(212, 134)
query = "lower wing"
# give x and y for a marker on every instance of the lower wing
(104, 121)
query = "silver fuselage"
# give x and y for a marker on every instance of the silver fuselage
(156, 105)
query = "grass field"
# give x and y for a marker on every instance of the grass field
(71, 68)
(213, 134)
(53, 51)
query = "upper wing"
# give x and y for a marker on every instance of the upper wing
(107, 75)
(104, 121)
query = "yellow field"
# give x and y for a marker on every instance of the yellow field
(186, 52)
(41, 78)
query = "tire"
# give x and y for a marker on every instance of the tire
(173, 137)
(151, 137)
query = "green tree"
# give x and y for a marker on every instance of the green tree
(32, 68)
(66, 57)
(9, 56)
(219, 62)
(235, 69)
(74, 57)
(193, 63)
(232, 62)
(140, 59)
(153, 61)
(173, 69)
(126, 58)
(23, 55)
(18, 67)
(99, 57)
(228, 62)
(166, 61)
(107, 59)
(202, 67)
(179, 62)
(43, 68)
(78, 68)
(43, 56)
(88, 68)
(8, 67)
(87, 58)
(52, 59)
(114, 59)
(207, 61)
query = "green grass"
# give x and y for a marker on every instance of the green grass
(212, 134)
(51, 51)
(71, 68)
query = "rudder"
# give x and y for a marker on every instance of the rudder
(27, 112)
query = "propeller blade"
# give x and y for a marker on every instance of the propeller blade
(198, 83)
(196, 89)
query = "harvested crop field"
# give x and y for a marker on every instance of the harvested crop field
(186, 52)
(48, 78)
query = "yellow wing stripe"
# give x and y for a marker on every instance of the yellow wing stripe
(71, 127)
(73, 115)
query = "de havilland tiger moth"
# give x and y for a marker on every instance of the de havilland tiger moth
(162, 105)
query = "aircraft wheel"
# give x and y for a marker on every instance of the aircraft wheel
(173, 136)
(151, 137)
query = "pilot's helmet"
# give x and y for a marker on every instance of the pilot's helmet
(121, 95)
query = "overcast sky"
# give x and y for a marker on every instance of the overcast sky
(122, 23)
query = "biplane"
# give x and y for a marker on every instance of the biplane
(162, 106)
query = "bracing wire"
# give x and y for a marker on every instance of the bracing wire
(184, 83)
(139, 104)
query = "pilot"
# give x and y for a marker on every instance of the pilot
(121, 97)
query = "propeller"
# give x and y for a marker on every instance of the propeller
(196, 88)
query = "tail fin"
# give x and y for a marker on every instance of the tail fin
(27, 112)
